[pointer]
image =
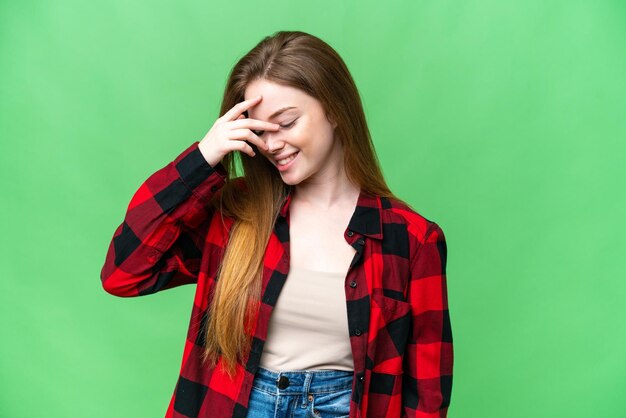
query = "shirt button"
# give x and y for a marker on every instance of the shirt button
(214, 188)
(361, 241)
(362, 379)
(357, 332)
(352, 284)
(350, 233)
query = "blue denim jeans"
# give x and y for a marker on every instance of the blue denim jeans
(300, 394)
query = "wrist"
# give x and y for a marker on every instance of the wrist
(210, 158)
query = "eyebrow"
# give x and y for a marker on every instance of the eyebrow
(281, 110)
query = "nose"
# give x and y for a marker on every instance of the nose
(273, 142)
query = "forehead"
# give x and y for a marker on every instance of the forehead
(277, 96)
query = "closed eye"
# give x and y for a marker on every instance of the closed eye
(289, 125)
(286, 126)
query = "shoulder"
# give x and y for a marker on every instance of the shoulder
(399, 215)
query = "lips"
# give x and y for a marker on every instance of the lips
(287, 157)
(291, 160)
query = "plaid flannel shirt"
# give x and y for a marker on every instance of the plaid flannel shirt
(395, 287)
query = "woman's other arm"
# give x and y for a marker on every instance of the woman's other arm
(429, 356)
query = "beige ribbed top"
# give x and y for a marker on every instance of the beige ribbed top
(308, 328)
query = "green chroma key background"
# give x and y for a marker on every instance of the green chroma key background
(503, 121)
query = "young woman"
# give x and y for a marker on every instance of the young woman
(319, 292)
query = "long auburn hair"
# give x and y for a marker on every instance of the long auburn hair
(303, 61)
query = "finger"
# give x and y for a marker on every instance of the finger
(239, 108)
(243, 146)
(248, 135)
(255, 124)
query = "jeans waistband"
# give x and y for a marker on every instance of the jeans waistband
(302, 381)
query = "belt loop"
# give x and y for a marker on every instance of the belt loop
(305, 389)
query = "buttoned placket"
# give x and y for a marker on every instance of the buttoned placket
(354, 292)
(357, 242)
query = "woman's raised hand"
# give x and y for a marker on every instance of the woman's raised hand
(231, 131)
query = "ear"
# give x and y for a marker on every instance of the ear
(332, 122)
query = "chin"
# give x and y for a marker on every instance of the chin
(291, 180)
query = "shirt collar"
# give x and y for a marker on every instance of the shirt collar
(366, 219)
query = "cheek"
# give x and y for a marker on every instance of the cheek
(265, 155)
(300, 139)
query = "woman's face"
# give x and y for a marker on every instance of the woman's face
(304, 149)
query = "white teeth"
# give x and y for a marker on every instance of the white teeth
(286, 160)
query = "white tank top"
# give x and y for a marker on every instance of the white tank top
(308, 328)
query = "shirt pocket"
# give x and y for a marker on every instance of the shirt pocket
(390, 304)
(390, 323)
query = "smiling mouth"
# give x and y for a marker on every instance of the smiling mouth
(287, 160)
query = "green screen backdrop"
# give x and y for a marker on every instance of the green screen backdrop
(503, 121)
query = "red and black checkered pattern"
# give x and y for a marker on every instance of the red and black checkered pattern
(395, 288)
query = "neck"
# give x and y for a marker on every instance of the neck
(327, 192)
